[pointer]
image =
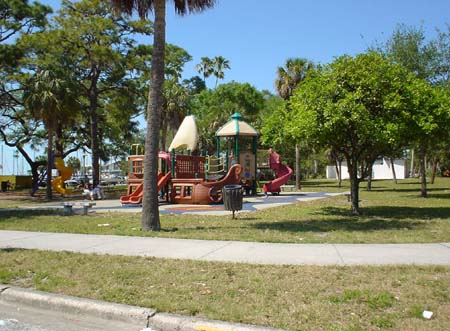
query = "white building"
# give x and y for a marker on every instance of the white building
(382, 169)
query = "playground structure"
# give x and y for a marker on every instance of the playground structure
(136, 175)
(283, 174)
(185, 178)
(65, 173)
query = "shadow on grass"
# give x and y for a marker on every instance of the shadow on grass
(337, 224)
(25, 214)
(406, 190)
(394, 213)
(372, 219)
(439, 196)
(11, 250)
(323, 184)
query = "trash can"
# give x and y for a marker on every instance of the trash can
(4, 186)
(232, 197)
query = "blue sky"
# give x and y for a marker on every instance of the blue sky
(257, 36)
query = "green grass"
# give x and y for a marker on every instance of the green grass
(390, 214)
(291, 297)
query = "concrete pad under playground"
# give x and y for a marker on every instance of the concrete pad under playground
(232, 251)
(251, 203)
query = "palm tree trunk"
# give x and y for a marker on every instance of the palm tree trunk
(150, 210)
(164, 126)
(48, 191)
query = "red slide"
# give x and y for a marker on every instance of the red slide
(283, 172)
(136, 196)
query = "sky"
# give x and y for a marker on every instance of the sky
(257, 36)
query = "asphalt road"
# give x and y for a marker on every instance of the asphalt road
(25, 318)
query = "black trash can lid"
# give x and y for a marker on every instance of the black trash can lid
(232, 187)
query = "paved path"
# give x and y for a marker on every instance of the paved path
(233, 251)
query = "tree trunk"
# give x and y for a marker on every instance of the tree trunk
(150, 210)
(434, 169)
(340, 172)
(94, 138)
(369, 182)
(411, 168)
(297, 167)
(394, 175)
(35, 173)
(354, 185)
(423, 177)
(48, 188)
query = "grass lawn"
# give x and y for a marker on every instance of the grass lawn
(291, 297)
(390, 214)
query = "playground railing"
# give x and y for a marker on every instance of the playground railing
(215, 165)
(188, 166)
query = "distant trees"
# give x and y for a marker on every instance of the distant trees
(18, 17)
(51, 99)
(17, 126)
(205, 67)
(93, 49)
(214, 108)
(360, 106)
(215, 66)
(429, 61)
(289, 76)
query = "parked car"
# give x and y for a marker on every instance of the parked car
(112, 180)
(70, 183)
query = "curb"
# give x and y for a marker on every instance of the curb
(121, 312)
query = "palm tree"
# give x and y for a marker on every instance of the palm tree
(49, 99)
(288, 77)
(220, 64)
(205, 67)
(150, 211)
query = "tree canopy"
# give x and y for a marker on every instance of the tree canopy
(359, 106)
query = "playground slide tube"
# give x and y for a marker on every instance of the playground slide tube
(65, 173)
(284, 174)
(137, 193)
(136, 196)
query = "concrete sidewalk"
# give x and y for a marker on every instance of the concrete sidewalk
(233, 251)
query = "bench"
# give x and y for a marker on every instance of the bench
(287, 188)
(349, 196)
(68, 207)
